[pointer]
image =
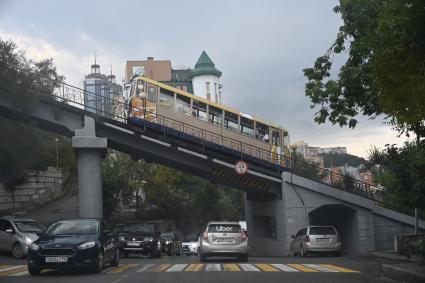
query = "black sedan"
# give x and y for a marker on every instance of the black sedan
(74, 243)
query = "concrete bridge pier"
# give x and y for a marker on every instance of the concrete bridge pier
(90, 151)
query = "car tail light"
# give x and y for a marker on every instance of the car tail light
(307, 239)
(243, 236)
(205, 236)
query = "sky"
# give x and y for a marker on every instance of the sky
(260, 46)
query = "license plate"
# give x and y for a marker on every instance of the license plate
(322, 239)
(224, 240)
(133, 244)
(57, 259)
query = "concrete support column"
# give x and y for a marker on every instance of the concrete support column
(90, 151)
(266, 227)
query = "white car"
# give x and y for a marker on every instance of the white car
(224, 239)
(190, 246)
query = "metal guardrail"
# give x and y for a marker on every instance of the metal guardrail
(74, 96)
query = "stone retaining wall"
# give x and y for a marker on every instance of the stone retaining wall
(38, 188)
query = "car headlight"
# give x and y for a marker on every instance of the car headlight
(87, 245)
(122, 239)
(167, 242)
(34, 247)
(150, 239)
(194, 245)
(28, 240)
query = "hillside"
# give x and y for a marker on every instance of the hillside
(340, 159)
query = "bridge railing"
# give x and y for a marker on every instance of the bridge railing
(115, 109)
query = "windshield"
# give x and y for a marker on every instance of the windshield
(143, 228)
(322, 231)
(29, 226)
(74, 227)
(167, 236)
(224, 228)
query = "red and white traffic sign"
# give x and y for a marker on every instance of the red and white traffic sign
(241, 167)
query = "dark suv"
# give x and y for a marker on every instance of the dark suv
(140, 237)
(171, 244)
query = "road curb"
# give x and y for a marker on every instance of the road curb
(403, 274)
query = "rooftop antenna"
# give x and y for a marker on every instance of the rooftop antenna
(95, 69)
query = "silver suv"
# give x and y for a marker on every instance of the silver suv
(16, 235)
(316, 239)
(224, 239)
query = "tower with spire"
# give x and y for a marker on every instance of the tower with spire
(206, 79)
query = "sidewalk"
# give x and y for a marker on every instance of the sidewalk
(401, 268)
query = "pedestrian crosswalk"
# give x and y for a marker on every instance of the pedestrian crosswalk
(21, 270)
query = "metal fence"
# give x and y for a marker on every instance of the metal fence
(74, 96)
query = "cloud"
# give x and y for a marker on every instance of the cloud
(74, 65)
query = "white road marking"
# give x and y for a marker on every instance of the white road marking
(11, 268)
(285, 268)
(213, 267)
(320, 268)
(248, 267)
(20, 273)
(176, 267)
(146, 267)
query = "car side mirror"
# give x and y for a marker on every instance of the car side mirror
(293, 236)
(10, 231)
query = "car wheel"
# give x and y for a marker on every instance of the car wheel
(203, 258)
(337, 254)
(17, 251)
(116, 260)
(97, 268)
(34, 270)
(243, 258)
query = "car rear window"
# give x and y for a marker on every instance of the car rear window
(322, 231)
(224, 228)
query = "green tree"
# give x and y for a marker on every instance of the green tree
(403, 175)
(23, 81)
(384, 71)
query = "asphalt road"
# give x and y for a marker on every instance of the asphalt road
(189, 269)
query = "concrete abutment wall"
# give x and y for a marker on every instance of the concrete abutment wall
(364, 226)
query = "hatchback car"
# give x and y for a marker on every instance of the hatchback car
(224, 239)
(140, 238)
(316, 239)
(73, 243)
(16, 235)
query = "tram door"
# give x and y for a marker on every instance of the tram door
(276, 146)
(137, 100)
(151, 101)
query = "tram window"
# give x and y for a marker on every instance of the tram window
(183, 104)
(262, 132)
(276, 138)
(214, 115)
(199, 110)
(166, 98)
(152, 93)
(140, 88)
(231, 121)
(247, 126)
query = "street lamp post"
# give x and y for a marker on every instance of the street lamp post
(57, 153)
